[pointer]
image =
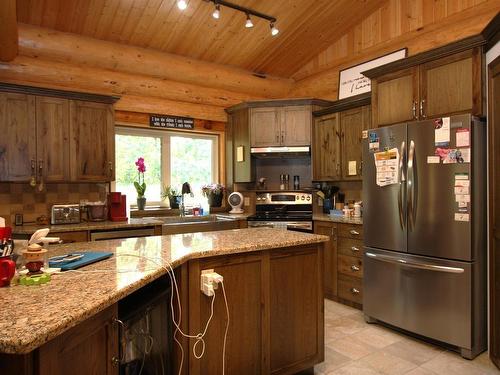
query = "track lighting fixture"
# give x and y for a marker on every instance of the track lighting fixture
(249, 22)
(181, 4)
(216, 13)
(274, 29)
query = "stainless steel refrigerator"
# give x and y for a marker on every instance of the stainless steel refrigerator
(425, 229)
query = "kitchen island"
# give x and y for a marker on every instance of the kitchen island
(274, 284)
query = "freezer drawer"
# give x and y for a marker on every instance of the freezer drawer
(426, 296)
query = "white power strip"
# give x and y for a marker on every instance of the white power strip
(209, 282)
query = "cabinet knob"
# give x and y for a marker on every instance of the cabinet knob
(355, 249)
(354, 232)
(110, 171)
(354, 291)
(354, 268)
(422, 114)
(115, 361)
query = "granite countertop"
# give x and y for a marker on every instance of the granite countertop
(37, 314)
(338, 219)
(97, 225)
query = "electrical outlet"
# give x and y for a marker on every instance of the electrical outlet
(209, 281)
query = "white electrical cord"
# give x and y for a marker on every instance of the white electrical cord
(170, 272)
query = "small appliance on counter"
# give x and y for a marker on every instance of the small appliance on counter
(236, 202)
(117, 203)
(65, 214)
(97, 211)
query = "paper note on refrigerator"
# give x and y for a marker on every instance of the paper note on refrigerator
(462, 137)
(387, 165)
(442, 131)
(461, 217)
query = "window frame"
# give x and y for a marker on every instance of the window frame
(166, 136)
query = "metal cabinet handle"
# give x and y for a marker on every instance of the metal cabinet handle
(278, 137)
(354, 232)
(110, 164)
(354, 268)
(355, 249)
(410, 264)
(422, 114)
(283, 136)
(116, 361)
(414, 109)
(33, 173)
(354, 291)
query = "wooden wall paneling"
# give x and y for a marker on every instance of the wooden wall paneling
(52, 138)
(133, 103)
(244, 171)
(69, 48)
(18, 142)
(8, 30)
(25, 70)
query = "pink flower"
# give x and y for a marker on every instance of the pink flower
(141, 167)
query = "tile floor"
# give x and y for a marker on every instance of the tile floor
(355, 347)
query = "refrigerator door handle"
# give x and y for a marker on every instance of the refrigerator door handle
(410, 264)
(402, 185)
(411, 185)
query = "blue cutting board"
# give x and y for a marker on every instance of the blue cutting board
(88, 258)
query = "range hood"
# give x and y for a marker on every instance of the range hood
(281, 151)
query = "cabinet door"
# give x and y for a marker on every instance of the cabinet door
(52, 143)
(394, 97)
(265, 127)
(88, 348)
(17, 143)
(296, 126)
(296, 301)
(330, 256)
(352, 124)
(92, 141)
(448, 85)
(326, 149)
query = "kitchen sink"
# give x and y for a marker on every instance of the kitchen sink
(190, 224)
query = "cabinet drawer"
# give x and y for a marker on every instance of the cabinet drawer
(351, 266)
(351, 231)
(71, 237)
(351, 289)
(351, 247)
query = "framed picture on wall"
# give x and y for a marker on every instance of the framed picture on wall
(352, 82)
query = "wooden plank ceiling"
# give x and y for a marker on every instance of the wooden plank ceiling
(307, 27)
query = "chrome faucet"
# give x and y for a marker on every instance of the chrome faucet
(186, 189)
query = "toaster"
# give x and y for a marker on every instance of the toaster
(65, 214)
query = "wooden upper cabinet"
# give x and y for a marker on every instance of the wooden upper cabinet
(265, 127)
(52, 142)
(243, 170)
(326, 148)
(17, 143)
(296, 126)
(395, 97)
(448, 85)
(431, 88)
(352, 124)
(91, 141)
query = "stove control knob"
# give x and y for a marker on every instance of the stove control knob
(303, 198)
(308, 198)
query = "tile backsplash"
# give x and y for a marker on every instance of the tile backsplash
(23, 199)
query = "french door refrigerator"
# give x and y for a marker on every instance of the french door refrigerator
(424, 198)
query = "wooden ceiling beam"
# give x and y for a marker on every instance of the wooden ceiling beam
(8, 30)
(89, 52)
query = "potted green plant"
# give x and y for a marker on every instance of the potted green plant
(140, 187)
(214, 193)
(172, 194)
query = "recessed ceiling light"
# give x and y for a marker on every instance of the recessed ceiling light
(274, 29)
(181, 4)
(249, 22)
(216, 13)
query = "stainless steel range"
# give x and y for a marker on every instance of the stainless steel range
(290, 210)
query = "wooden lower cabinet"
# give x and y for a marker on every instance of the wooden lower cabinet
(276, 312)
(330, 256)
(71, 237)
(343, 265)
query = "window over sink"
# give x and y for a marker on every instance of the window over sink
(171, 158)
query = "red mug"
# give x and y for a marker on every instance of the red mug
(5, 232)
(7, 270)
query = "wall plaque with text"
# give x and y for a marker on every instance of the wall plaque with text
(171, 122)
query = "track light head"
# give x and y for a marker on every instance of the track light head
(181, 4)
(274, 29)
(249, 23)
(216, 13)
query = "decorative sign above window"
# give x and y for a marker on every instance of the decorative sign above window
(171, 122)
(352, 82)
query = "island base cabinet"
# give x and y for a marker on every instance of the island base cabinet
(275, 301)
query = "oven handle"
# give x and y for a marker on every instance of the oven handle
(254, 224)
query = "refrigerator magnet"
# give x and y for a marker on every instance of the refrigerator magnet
(461, 190)
(462, 198)
(463, 155)
(433, 160)
(461, 217)
(462, 205)
(442, 132)
(462, 137)
(461, 176)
